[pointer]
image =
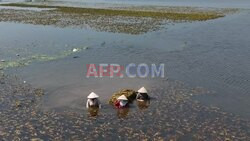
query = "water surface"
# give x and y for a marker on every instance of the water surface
(214, 55)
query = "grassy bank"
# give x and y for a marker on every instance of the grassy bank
(199, 16)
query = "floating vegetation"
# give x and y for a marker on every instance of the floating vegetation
(132, 21)
(173, 115)
(130, 94)
(36, 58)
(129, 25)
(201, 16)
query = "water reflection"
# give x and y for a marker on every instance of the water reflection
(142, 105)
(122, 113)
(93, 111)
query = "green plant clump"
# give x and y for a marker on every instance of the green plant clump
(189, 16)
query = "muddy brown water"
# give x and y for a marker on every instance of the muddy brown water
(214, 55)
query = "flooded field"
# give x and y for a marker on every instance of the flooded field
(204, 96)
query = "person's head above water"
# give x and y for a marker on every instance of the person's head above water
(142, 90)
(93, 100)
(92, 95)
(122, 101)
(122, 97)
(142, 94)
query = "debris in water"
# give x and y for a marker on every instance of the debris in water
(172, 115)
(75, 50)
(103, 43)
(85, 48)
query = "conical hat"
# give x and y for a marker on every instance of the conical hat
(93, 95)
(122, 97)
(142, 90)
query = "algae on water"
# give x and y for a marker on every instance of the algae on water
(135, 21)
(130, 94)
(35, 58)
(200, 16)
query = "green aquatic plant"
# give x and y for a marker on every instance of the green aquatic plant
(133, 20)
(190, 16)
(130, 94)
(36, 58)
(152, 14)
(28, 5)
(25, 61)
